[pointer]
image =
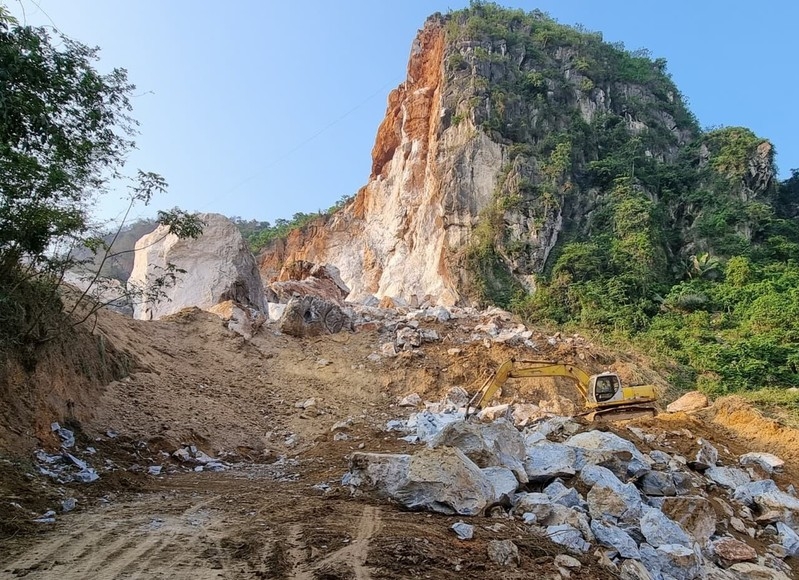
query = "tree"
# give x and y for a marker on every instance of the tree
(65, 133)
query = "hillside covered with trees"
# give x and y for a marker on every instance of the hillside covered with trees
(679, 239)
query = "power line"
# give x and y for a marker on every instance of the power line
(307, 140)
(38, 5)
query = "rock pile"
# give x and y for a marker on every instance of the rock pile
(66, 467)
(303, 278)
(653, 514)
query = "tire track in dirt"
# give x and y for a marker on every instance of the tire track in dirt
(352, 556)
(134, 541)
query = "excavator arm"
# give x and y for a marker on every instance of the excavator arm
(508, 370)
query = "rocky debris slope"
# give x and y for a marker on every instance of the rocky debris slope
(641, 508)
(218, 267)
(279, 416)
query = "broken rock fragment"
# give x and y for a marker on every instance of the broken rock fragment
(659, 529)
(672, 561)
(694, 513)
(568, 536)
(411, 400)
(488, 445)
(504, 482)
(728, 551)
(607, 534)
(503, 552)
(751, 571)
(706, 457)
(428, 424)
(600, 447)
(692, 401)
(442, 480)
(312, 316)
(546, 461)
(609, 496)
(729, 477)
(302, 278)
(463, 530)
(567, 496)
(657, 483)
(789, 539)
(634, 570)
(766, 461)
(408, 338)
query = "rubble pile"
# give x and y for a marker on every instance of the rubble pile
(66, 466)
(654, 514)
(409, 330)
(71, 464)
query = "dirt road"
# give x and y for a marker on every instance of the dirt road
(246, 524)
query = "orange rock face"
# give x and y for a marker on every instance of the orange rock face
(355, 239)
(411, 106)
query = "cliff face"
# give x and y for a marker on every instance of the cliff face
(399, 235)
(511, 136)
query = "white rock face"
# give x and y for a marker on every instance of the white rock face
(398, 237)
(219, 267)
(441, 480)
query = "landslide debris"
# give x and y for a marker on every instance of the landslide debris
(284, 418)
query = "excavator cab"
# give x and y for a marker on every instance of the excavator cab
(605, 387)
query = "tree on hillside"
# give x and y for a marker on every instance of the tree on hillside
(65, 133)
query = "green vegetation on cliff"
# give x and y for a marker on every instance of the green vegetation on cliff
(260, 234)
(630, 218)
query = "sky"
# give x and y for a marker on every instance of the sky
(262, 109)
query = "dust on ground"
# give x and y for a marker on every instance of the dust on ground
(267, 407)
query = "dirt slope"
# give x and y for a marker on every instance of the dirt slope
(279, 511)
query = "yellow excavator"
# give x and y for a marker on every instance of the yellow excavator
(605, 396)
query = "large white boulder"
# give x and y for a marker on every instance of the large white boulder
(218, 267)
(488, 445)
(601, 447)
(547, 460)
(442, 480)
(692, 401)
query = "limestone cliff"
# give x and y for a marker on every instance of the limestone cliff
(512, 135)
(398, 235)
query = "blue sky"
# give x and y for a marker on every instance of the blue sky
(262, 109)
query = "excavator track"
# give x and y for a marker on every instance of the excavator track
(619, 413)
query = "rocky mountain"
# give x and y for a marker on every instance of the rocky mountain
(513, 138)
